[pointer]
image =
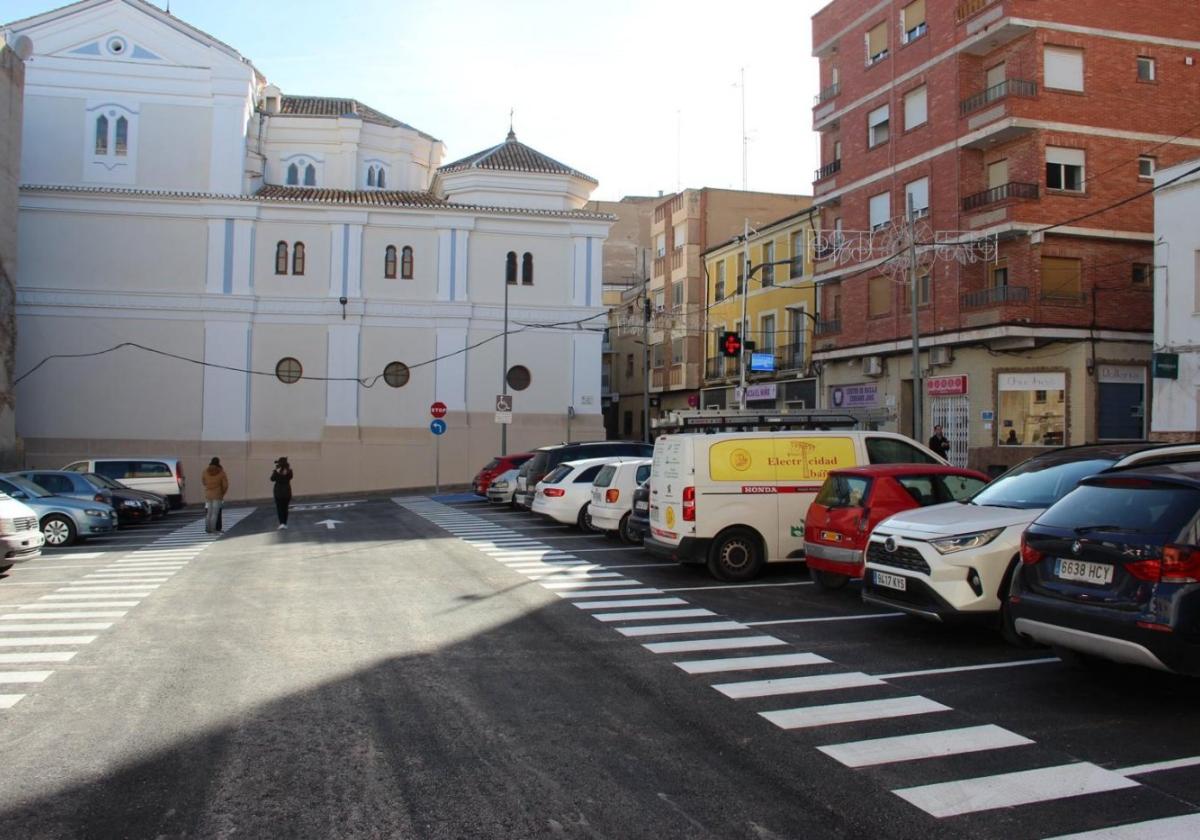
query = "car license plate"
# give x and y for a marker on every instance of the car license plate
(898, 582)
(641, 505)
(831, 536)
(1078, 570)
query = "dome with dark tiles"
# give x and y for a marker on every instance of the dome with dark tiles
(514, 156)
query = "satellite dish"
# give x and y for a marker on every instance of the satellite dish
(22, 46)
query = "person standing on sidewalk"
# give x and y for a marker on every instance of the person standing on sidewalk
(216, 485)
(281, 477)
(939, 443)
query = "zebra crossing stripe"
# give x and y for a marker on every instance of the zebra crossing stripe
(39, 628)
(924, 745)
(811, 716)
(24, 676)
(7, 701)
(714, 644)
(751, 663)
(632, 602)
(27, 658)
(572, 585)
(604, 593)
(1004, 790)
(796, 685)
(676, 629)
(1186, 827)
(642, 614)
(38, 641)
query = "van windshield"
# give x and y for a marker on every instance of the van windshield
(1034, 485)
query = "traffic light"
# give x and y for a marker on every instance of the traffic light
(731, 344)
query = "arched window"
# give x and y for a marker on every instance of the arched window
(122, 144)
(310, 176)
(510, 268)
(389, 262)
(406, 263)
(370, 176)
(298, 258)
(527, 269)
(281, 258)
(102, 135)
(293, 176)
(382, 181)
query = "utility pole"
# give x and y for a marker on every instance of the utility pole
(918, 417)
(645, 354)
(742, 326)
(504, 371)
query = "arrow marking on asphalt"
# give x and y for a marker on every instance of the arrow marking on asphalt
(330, 523)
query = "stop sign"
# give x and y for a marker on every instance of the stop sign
(438, 409)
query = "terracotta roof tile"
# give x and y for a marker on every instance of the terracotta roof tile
(514, 156)
(333, 106)
(375, 198)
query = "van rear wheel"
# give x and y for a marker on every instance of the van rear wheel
(736, 555)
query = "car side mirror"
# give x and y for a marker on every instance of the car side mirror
(18, 494)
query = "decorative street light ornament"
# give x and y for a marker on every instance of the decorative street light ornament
(888, 245)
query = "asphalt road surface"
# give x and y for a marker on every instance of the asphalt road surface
(420, 668)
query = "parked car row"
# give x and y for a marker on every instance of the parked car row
(1093, 550)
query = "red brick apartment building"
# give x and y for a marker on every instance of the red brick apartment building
(1022, 121)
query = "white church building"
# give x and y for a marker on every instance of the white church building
(282, 275)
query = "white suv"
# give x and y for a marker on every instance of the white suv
(956, 559)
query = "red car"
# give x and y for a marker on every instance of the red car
(495, 468)
(853, 501)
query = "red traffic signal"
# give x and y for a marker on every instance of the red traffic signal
(731, 344)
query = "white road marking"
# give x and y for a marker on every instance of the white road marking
(7, 701)
(582, 574)
(796, 685)
(85, 555)
(90, 606)
(24, 676)
(642, 614)
(735, 643)
(961, 668)
(139, 588)
(811, 716)
(98, 596)
(24, 628)
(37, 641)
(924, 745)
(27, 658)
(632, 602)
(1186, 827)
(618, 548)
(677, 629)
(1004, 790)
(605, 593)
(584, 585)
(751, 663)
(825, 618)
(1158, 766)
(741, 586)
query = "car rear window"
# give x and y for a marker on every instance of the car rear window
(1034, 485)
(939, 489)
(491, 465)
(605, 476)
(1144, 508)
(538, 463)
(643, 473)
(843, 491)
(557, 474)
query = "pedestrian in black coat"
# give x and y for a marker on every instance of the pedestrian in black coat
(281, 477)
(939, 443)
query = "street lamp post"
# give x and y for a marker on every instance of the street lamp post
(504, 371)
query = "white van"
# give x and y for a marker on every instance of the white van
(21, 537)
(737, 500)
(163, 476)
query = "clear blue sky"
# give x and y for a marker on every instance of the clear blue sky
(642, 95)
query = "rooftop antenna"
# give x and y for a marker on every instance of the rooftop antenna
(745, 138)
(678, 149)
(512, 135)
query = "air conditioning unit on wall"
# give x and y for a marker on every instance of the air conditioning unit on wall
(872, 366)
(941, 355)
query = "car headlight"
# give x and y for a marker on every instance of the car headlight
(500, 485)
(965, 542)
(99, 513)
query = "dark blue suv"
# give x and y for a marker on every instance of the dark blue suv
(1113, 570)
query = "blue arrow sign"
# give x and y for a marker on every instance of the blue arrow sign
(438, 427)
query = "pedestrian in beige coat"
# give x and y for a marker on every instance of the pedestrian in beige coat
(216, 485)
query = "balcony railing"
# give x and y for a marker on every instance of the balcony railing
(969, 8)
(1013, 189)
(994, 296)
(1009, 87)
(720, 367)
(828, 93)
(828, 169)
(829, 327)
(660, 266)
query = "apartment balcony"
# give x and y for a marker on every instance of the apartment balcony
(827, 170)
(660, 266)
(721, 367)
(828, 327)
(1004, 192)
(606, 345)
(1009, 87)
(792, 356)
(969, 8)
(827, 93)
(994, 296)
(677, 259)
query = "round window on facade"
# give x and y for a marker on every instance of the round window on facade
(289, 370)
(518, 377)
(396, 374)
(116, 46)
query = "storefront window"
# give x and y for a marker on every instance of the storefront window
(1033, 409)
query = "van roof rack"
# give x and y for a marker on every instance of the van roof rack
(752, 420)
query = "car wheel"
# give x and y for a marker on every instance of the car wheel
(58, 530)
(624, 533)
(828, 580)
(736, 555)
(584, 520)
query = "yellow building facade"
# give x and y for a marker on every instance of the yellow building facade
(780, 307)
